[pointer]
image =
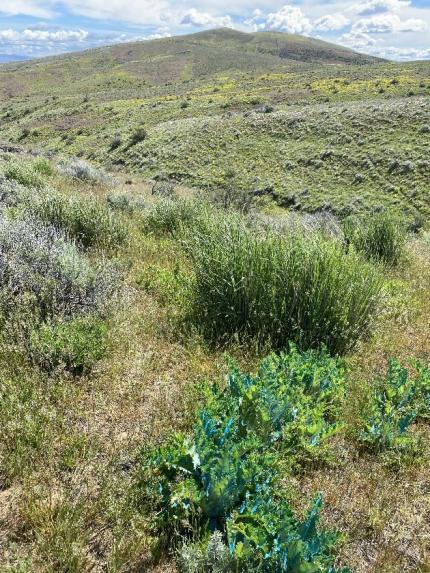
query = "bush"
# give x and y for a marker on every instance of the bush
(82, 171)
(42, 271)
(25, 174)
(126, 202)
(381, 238)
(274, 288)
(225, 476)
(75, 345)
(85, 219)
(139, 135)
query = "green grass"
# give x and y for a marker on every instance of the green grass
(276, 289)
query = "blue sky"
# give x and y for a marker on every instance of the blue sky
(397, 29)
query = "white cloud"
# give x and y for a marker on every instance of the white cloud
(288, 19)
(24, 7)
(330, 22)
(205, 20)
(357, 40)
(389, 23)
(31, 35)
(379, 7)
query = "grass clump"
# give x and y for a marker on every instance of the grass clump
(174, 217)
(381, 237)
(85, 219)
(277, 289)
(75, 345)
(225, 477)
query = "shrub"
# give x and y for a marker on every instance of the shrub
(75, 345)
(164, 189)
(25, 174)
(126, 202)
(276, 288)
(41, 270)
(225, 476)
(85, 219)
(82, 171)
(381, 238)
(139, 135)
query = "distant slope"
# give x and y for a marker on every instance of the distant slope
(176, 59)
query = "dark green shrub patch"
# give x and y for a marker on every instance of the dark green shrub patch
(225, 476)
(75, 345)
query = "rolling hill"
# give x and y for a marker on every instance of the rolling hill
(308, 124)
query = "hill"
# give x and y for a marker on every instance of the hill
(305, 123)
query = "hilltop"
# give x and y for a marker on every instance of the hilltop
(307, 124)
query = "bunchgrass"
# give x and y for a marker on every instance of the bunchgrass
(275, 289)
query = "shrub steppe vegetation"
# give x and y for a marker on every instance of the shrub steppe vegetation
(230, 378)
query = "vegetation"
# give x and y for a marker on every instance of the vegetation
(275, 289)
(280, 216)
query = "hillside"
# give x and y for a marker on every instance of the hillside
(215, 309)
(308, 124)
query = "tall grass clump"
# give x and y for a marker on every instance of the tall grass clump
(87, 220)
(275, 289)
(24, 173)
(174, 217)
(381, 237)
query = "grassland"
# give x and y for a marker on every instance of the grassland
(122, 303)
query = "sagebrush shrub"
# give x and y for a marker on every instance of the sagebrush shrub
(41, 270)
(272, 288)
(81, 170)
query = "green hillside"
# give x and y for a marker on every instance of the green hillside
(214, 309)
(307, 124)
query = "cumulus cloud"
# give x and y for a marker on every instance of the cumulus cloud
(288, 19)
(357, 40)
(330, 22)
(32, 35)
(379, 6)
(205, 20)
(389, 23)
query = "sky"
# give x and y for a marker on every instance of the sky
(395, 29)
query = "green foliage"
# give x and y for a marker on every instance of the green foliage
(381, 237)
(75, 345)
(25, 174)
(85, 219)
(43, 166)
(394, 407)
(276, 288)
(173, 218)
(225, 476)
